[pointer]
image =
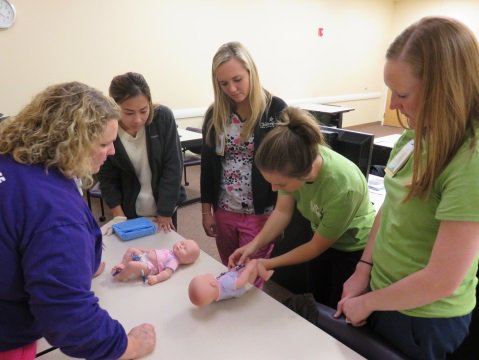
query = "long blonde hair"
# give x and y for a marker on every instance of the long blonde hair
(259, 99)
(57, 129)
(444, 55)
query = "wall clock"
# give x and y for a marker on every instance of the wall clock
(7, 14)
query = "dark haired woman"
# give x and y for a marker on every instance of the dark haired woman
(143, 178)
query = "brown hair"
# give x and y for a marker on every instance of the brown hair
(128, 85)
(292, 146)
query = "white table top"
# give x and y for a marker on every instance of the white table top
(187, 135)
(329, 109)
(376, 191)
(254, 326)
(387, 141)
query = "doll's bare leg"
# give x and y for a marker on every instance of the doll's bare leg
(130, 253)
(127, 258)
(248, 274)
(262, 272)
(117, 269)
(132, 270)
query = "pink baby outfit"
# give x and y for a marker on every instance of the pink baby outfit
(165, 259)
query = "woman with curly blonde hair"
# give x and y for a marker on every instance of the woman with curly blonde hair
(51, 245)
(59, 133)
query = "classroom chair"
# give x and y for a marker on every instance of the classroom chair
(95, 192)
(191, 155)
(360, 339)
(469, 350)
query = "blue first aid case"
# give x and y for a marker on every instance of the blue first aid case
(134, 228)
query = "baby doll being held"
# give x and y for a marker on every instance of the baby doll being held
(155, 265)
(207, 288)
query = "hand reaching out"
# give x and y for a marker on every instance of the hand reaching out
(165, 223)
(241, 255)
(141, 341)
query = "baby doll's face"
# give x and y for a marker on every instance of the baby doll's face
(187, 251)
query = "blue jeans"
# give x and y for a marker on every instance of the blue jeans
(421, 338)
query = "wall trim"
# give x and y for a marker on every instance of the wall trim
(200, 111)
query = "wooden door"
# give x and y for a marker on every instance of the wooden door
(390, 116)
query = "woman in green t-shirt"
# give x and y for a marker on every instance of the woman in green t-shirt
(419, 291)
(328, 190)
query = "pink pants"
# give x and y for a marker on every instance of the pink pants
(235, 230)
(26, 352)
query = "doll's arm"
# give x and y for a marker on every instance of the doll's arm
(161, 276)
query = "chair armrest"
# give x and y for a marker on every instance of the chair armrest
(360, 339)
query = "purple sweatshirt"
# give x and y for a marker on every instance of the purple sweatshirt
(50, 247)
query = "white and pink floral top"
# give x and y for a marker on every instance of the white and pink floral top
(236, 191)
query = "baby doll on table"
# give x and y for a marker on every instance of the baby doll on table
(155, 265)
(206, 288)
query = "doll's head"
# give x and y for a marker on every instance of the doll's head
(203, 289)
(187, 251)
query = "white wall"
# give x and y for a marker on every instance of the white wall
(172, 44)
(408, 11)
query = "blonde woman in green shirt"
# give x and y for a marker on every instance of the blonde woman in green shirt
(328, 190)
(420, 290)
